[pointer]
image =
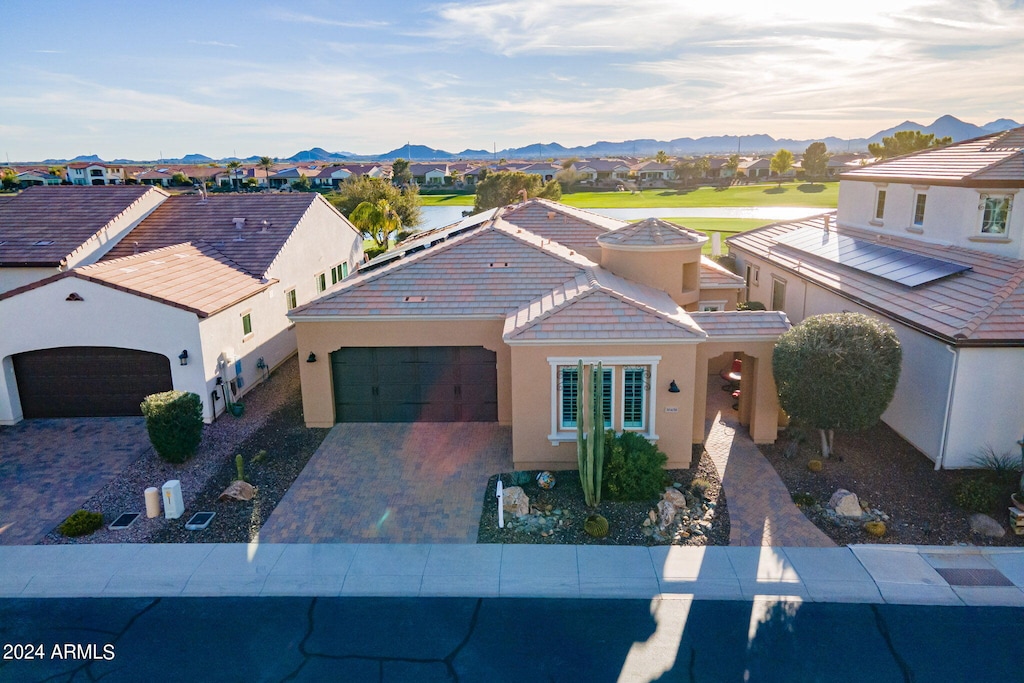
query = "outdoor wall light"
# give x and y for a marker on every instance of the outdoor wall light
(183, 358)
(673, 388)
(312, 357)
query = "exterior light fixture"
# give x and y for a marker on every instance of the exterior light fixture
(312, 357)
(673, 388)
(183, 357)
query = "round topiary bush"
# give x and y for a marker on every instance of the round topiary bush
(174, 420)
(596, 526)
(876, 529)
(81, 523)
(977, 495)
(814, 465)
(633, 467)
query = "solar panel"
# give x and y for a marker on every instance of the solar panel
(889, 263)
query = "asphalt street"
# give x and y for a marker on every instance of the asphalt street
(499, 639)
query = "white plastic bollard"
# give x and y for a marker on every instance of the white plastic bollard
(174, 506)
(152, 502)
(501, 504)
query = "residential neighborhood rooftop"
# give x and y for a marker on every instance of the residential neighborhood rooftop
(652, 232)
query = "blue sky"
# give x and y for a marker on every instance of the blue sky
(132, 79)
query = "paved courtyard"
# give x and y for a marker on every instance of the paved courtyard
(393, 483)
(48, 468)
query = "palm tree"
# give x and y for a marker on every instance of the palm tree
(376, 219)
(266, 163)
(233, 166)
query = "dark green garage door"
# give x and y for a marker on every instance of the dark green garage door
(415, 384)
(88, 381)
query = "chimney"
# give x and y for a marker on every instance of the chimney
(828, 218)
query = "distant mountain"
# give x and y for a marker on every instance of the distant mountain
(196, 159)
(415, 153)
(87, 158)
(999, 125)
(318, 154)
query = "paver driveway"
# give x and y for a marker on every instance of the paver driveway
(393, 483)
(48, 468)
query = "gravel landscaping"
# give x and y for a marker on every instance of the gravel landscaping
(890, 475)
(558, 514)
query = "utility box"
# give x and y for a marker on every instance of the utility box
(174, 506)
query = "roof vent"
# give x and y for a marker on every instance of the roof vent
(43, 243)
(415, 299)
(498, 264)
(239, 223)
(551, 215)
(74, 296)
(265, 226)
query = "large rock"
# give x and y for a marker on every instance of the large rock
(674, 496)
(666, 513)
(986, 526)
(845, 504)
(515, 501)
(238, 490)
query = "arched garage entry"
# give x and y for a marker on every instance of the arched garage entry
(88, 381)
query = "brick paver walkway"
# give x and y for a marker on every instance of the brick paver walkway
(49, 468)
(761, 511)
(393, 483)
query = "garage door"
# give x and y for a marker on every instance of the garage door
(88, 381)
(415, 384)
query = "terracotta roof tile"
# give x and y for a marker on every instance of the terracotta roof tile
(714, 276)
(652, 232)
(575, 228)
(747, 324)
(44, 225)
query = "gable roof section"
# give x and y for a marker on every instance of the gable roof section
(745, 325)
(714, 276)
(652, 233)
(485, 272)
(600, 307)
(188, 218)
(981, 306)
(574, 228)
(995, 160)
(43, 226)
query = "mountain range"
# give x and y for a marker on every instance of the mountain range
(716, 144)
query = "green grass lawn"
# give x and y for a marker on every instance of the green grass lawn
(447, 199)
(727, 227)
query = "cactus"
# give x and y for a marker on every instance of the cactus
(876, 528)
(240, 467)
(815, 465)
(596, 526)
(590, 430)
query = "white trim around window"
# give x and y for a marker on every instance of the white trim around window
(712, 306)
(618, 366)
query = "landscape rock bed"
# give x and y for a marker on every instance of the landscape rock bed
(557, 515)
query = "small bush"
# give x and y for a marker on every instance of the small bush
(977, 495)
(876, 529)
(814, 465)
(700, 486)
(803, 499)
(174, 420)
(81, 523)
(596, 526)
(633, 467)
(750, 306)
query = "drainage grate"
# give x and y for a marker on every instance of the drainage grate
(973, 577)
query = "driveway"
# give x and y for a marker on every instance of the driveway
(393, 483)
(49, 468)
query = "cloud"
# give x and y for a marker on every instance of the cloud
(298, 17)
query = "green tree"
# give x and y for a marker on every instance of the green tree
(905, 142)
(506, 187)
(233, 167)
(9, 179)
(179, 179)
(837, 371)
(780, 163)
(815, 161)
(733, 164)
(400, 173)
(302, 184)
(685, 171)
(267, 164)
(567, 177)
(57, 171)
(661, 157)
(355, 190)
(377, 220)
(702, 166)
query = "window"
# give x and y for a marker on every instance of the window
(778, 294)
(344, 270)
(246, 324)
(711, 306)
(919, 202)
(290, 299)
(570, 388)
(996, 213)
(752, 278)
(633, 398)
(339, 273)
(321, 282)
(880, 205)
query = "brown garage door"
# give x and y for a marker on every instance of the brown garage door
(88, 381)
(415, 384)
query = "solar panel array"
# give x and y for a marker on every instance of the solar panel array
(890, 263)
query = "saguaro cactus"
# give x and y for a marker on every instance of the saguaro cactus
(590, 430)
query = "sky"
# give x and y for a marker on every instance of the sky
(126, 79)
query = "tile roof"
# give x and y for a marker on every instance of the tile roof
(487, 271)
(991, 160)
(599, 306)
(982, 306)
(768, 325)
(189, 219)
(652, 232)
(714, 276)
(44, 225)
(574, 228)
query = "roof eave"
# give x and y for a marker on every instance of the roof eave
(604, 341)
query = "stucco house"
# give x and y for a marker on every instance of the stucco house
(931, 243)
(178, 292)
(485, 321)
(86, 173)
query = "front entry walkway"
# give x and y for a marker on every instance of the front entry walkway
(761, 511)
(393, 483)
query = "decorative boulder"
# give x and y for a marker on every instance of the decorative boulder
(986, 526)
(238, 490)
(666, 513)
(845, 504)
(675, 497)
(515, 501)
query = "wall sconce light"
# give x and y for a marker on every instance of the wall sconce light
(312, 357)
(673, 388)
(183, 357)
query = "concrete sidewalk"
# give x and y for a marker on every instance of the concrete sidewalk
(862, 574)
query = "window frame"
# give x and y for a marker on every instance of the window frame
(919, 207)
(644, 390)
(1004, 198)
(778, 285)
(321, 281)
(569, 422)
(880, 196)
(752, 278)
(291, 299)
(246, 317)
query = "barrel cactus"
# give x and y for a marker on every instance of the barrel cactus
(596, 526)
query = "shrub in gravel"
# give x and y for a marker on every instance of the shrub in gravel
(633, 467)
(80, 523)
(174, 420)
(875, 528)
(977, 495)
(814, 465)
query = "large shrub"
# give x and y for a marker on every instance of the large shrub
(837, 371)
(633, 467)
(174, 420)
(81, 523)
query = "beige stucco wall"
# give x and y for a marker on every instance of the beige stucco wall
(323, 337)
(675, 271)
(534, 397)
(759, 399)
